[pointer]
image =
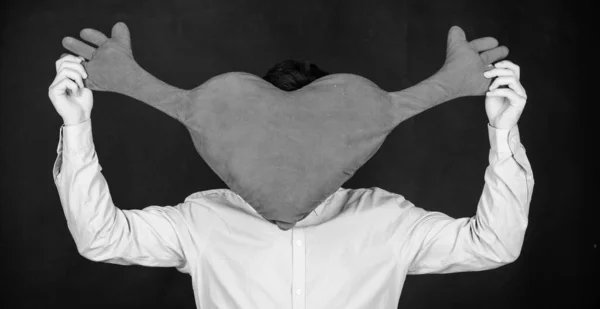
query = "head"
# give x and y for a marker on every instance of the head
(290, 75)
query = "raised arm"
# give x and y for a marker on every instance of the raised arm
(461, 75)
(153, 236)
(111, 67)
(437, 243)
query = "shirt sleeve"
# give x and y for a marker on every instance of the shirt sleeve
(436, 243)
(154, 236)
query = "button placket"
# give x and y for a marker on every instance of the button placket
(299, 268)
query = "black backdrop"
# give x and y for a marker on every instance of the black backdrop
(436, 159)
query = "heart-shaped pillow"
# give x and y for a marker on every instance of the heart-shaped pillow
(285, 152)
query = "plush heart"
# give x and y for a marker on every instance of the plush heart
(285, 152)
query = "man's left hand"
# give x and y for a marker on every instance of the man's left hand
(504, 106)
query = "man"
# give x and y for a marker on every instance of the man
(353, 251)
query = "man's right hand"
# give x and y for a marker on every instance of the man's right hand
(70, 98)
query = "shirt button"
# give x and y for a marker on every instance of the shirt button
(299, 243)
(298, 291)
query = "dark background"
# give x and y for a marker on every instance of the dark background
(436, 159)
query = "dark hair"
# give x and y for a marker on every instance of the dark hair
(290, 75)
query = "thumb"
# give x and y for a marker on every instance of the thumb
(456, 35)
(121, 33)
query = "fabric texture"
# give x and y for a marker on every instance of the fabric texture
(283, 152)
(354, 251)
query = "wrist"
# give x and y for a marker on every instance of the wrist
(441, 84)
(501, 126)
(73, 122)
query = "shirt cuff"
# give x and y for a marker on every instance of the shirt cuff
(75, 139)
(504, 140)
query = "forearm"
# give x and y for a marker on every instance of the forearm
(82, 189)
(504, 203)
(427, 94)
(146, 88)
(121, 74)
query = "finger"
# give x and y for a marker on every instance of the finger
(483, 44)
(62, 86)
(64, 58)
(121, 33)
(74, 66)
(456, 35)
(511, 82)
(511, 66)
(69, 73)
(494, 72)
(512, 96)
(77, 47)
(494, 54)
(73, 75)
(93, 36)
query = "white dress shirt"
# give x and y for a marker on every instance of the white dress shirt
(354, 251)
